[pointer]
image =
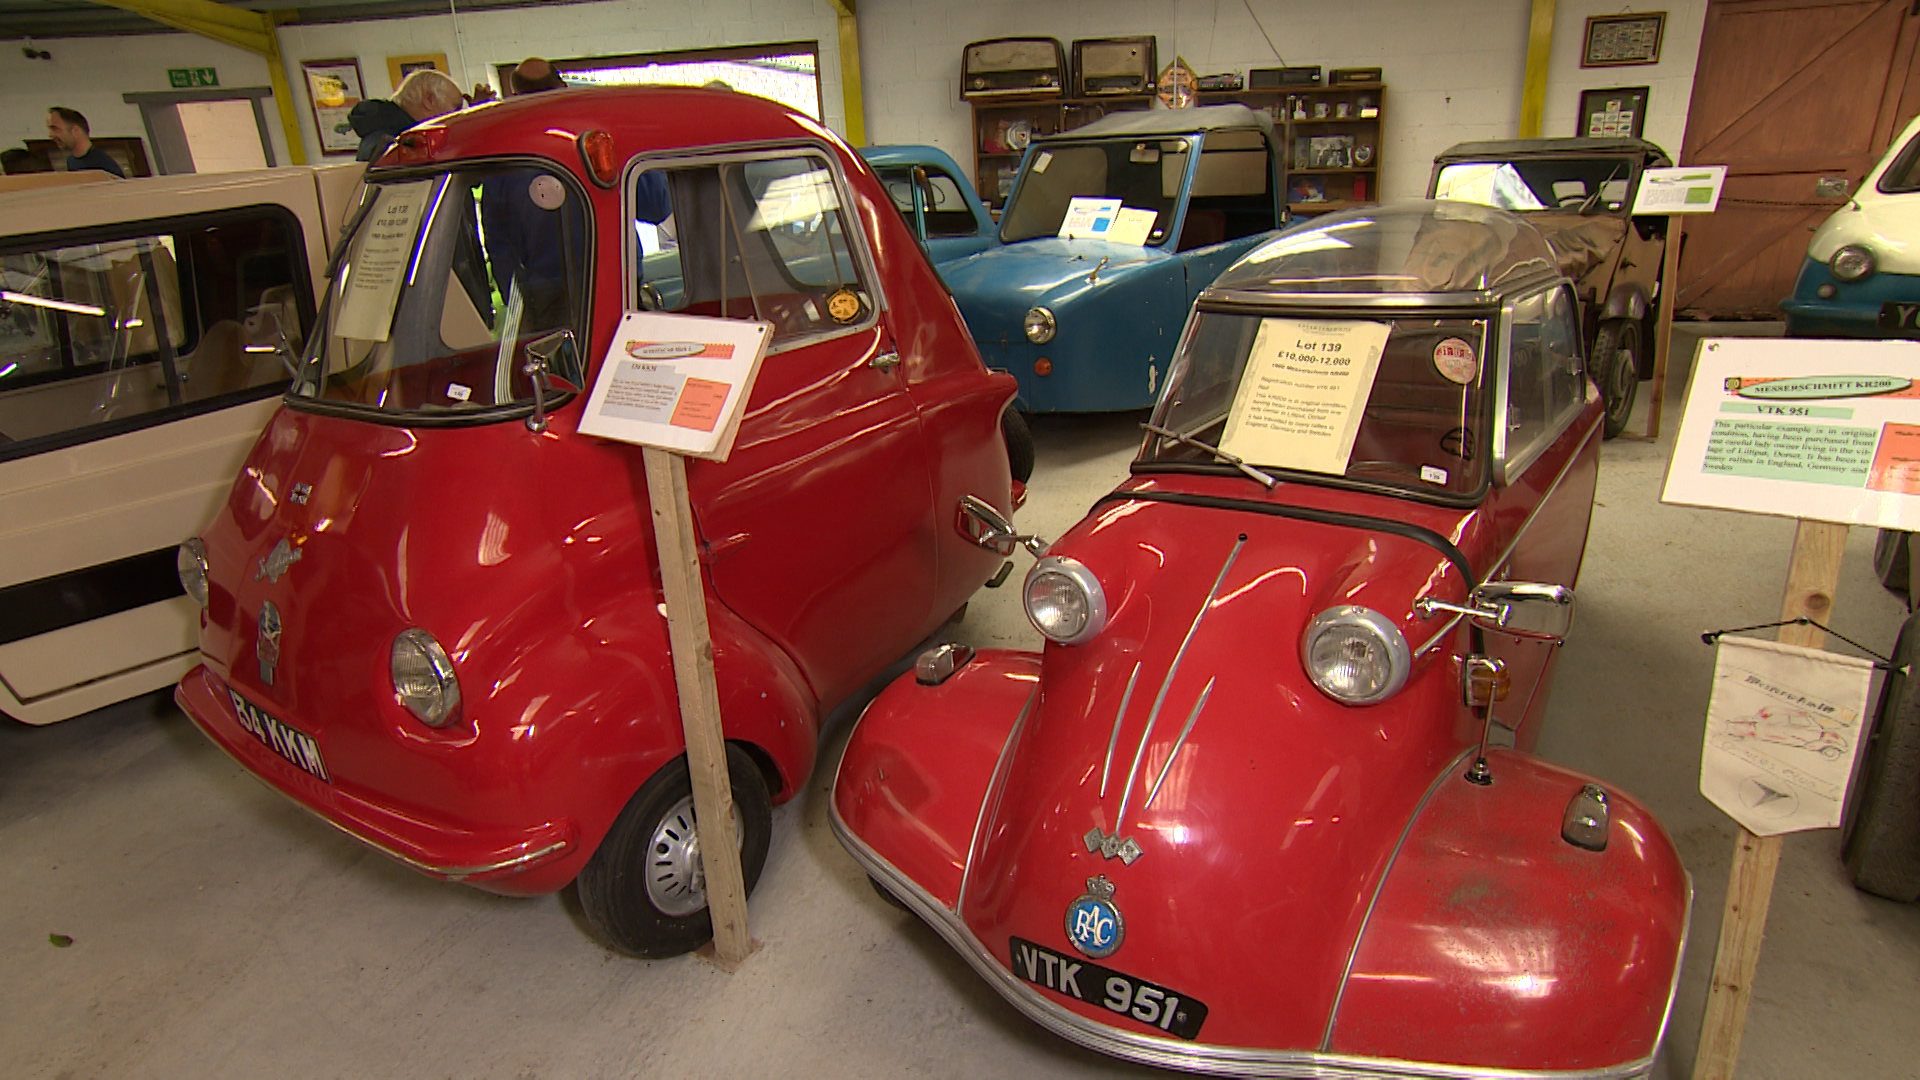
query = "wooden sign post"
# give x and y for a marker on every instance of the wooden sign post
(1812, 577)
(1675, 193)
(1663, 326)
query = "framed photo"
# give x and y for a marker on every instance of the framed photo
(1618, 40)
(333, 89)
(399, 67)
(1620, 113)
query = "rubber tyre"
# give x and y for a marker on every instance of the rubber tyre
(1019, 437)
(888, 896)
(1892, 560)
(612, 886)
(1882, 850)
(1616, 366)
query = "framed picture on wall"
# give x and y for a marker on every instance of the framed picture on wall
(1617, 40)
(1619, 113)
(333, 89)
(399, 67)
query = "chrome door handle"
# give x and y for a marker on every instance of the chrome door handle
(885, 361)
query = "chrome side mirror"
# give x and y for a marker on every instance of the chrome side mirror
(1521, 609)
(547, 361)
(979, 522)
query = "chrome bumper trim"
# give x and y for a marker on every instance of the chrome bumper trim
(1173, 1053)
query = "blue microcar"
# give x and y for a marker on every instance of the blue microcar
(947, 215)
(1861, 278)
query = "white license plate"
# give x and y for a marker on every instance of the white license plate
(296, 746)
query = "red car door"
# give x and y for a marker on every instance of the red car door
(819, 528)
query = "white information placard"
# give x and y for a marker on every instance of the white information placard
(1783, 726)
(1132, 226)
(377, 265)
(1088, 219)
(1304, 389)
(676, 382)
(1815, 428)
(1694, 189)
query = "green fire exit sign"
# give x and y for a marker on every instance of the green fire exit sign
(186, 78)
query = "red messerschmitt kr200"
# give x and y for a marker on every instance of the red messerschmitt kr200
(1266, 805)
(431, 609)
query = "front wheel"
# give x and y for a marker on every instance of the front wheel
(1882, 830)
(1019, 438)
(644, 892)
(1616, 366)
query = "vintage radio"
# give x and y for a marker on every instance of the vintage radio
(1219, 82)
(1114, 66)
(1348, 76)
(1012, 66)
(1268, 78)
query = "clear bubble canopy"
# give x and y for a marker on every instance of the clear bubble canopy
(1413, 247)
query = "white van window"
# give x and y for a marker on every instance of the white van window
(105, 331)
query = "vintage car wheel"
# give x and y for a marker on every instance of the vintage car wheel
(1013, 428)
(644, 890)
(1616, 367)
(1883, 813)
(888, 896)
(1892, 560)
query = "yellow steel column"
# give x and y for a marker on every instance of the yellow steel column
(1533, 93)
(851, 100)
(240, 28)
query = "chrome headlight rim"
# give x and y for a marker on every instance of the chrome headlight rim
(1076, 573)
(1852, 262)
(1039, 325)
(190, 563)
(441, 704)
(1349, 618)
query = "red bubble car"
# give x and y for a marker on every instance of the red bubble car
(1265, 805)
(431, 610)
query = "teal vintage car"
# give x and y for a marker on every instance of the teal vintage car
(939, 204)
(1110, 233)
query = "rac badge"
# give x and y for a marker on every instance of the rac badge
(267, 646)
(1093, 922)
(275, 562)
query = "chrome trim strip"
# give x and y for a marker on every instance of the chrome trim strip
(1126, 796)
(1494, 568)
(990, 799)
(1163, 1052)
(1679, 962)
(1178, 743)
(1379, 886)
(1114, 739)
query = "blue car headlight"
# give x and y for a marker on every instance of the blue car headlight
(1854, 262)
(1039, 325)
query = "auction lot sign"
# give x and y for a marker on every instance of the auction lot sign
(1804, 428)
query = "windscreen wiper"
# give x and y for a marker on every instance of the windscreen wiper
(1269, 481)
(1587, 205)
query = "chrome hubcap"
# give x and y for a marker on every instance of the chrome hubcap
(676, 878)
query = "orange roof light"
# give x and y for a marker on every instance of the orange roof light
(596, 149)
(419, 144)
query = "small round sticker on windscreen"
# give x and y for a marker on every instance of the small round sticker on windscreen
(546, 192)
(1455, 359)
(843, 305)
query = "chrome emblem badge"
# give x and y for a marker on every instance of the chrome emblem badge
(267, 646)
(301, 493)
(1113, 847)
(1094, 925)
(275, 562)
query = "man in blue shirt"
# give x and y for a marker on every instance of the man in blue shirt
(69, 131)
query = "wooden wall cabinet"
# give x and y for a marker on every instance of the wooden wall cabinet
(1002, 127)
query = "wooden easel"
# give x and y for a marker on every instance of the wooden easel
(1812, 576)
(691, 640)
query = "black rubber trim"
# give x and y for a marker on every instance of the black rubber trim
(1300, 513)
(32, 608)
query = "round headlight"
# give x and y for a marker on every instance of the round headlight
(191, 564)
(1039, 325)
(1355, 655)
(1852, 263)
(1064, 600)
(423, 677)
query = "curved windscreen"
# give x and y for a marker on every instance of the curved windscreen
(1589, 184)
(1428, 247)
(1394, 400)
(1144, 174)
(441, 285)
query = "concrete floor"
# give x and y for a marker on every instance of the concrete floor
(219, 931)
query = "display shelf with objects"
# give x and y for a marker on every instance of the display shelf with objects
(1003, 126)
(1332, 136)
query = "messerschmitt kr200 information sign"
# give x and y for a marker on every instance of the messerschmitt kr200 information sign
(1821, 429)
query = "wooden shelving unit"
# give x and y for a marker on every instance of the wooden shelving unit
(997, 120)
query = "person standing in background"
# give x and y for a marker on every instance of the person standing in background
(68, 130)
(420, 97)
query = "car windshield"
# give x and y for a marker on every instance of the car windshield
(945, 207)
(1904, 174)
(1393, 400)
(1143, 174)
(1539, 183)
(443, 282)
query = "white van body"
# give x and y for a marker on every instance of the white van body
(117, 442)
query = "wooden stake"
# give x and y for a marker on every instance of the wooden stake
(1812, 577)
(692, 643)
(1663, 326)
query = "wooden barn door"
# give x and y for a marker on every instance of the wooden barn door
(1787, 93)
